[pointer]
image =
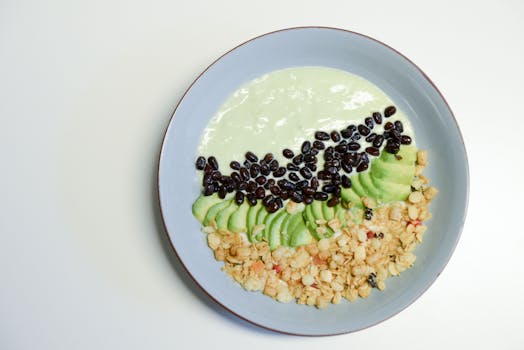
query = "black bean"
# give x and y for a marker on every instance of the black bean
(209, 190)
(222, 191)
(389, 111)
(279, 172)
(306, 173)
(377, 142)
(309, 191)
(247, 164)
(236, 176)
(268, 200)
(333, 202)
(234, 165)
(268, 157)
(261, 180)
(271, 182)
(335, 136)
(312, 166)
(313, 152)
(293, 177)
(275, 190)
(369, 122)
(328, 156)
(251, 157)
(355, 137)
(298, 159)
(239, 198)
(405, 140)
(323, 175)
(251, 199)
(216, 186)
(395, 135)
(242, 186)
(330, 150)
(208, 169)
(213, 162)
(206, 180)
(399, 126)
(320, 196)
(363, 166)
(346, 167)
(314, 182)
(346, 181)
(251, 186)
(279, 202)
(292, 167)
(260, 192)
(377, 117)
(301, 184)
(328, 188)
(226, 180)
(389, 126)
(364, 157)
(332, 163)
(262, 162)
(216, 175)
(287, 153)
(341, 147)
(363, 130)
(306, 147)
(346, 133)
(308, 200)
(368, 213)
(353, 146)
(373, 151)
(352, 128)
(254, 170)
(338, 192)
(273, 165)
(321, 135)
(244, 173)
(332, 170)
(285, 184)
(371, 137)
(309, 158)
(264, 170)
(380, 235)
(230, 187)
(200, 163)
(296, 196)
(318, 145)
(273, 207)
(284, 195)
(335, 179)
(393, 149)
(371, 281)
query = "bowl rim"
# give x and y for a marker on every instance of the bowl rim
(467, 180)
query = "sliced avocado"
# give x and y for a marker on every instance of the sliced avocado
(310, 221)
(316, 208)
(300, 235)
(327, 212)
(261, 217)
(223, 216)
(406, 155)
(391, 191)
(267, 222)
(284, 236)
(289, 226)
(214, 210)
(274, 234)
(394, 172)
(367, 184)
(340, 214)
(358, 188)
(251, 219)
(238, 220)
(349, 196)
(202, 205)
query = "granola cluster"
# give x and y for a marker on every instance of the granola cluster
(348, 265)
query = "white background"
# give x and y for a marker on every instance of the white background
(86, 90)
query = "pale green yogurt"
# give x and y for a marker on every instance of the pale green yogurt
(283, 108)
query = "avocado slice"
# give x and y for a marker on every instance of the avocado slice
(358, 188)
(300, 235)
(391, 191)
(274, 234)
(289, 226)
(202, 205)
(328, 212)
(223, 216)
(267, 222)
(214, 210)
(367, 184)
(251, 219)
(340, 214)
(310, 221)
(349, 196)
(261, 216)
(394, 172)
(316, 209)
(238, 220)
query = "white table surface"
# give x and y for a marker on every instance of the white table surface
(86, 91)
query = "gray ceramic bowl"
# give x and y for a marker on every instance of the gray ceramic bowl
(412, 91)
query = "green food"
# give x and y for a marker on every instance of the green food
(238, 220)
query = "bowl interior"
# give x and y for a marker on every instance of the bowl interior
(435, 128)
